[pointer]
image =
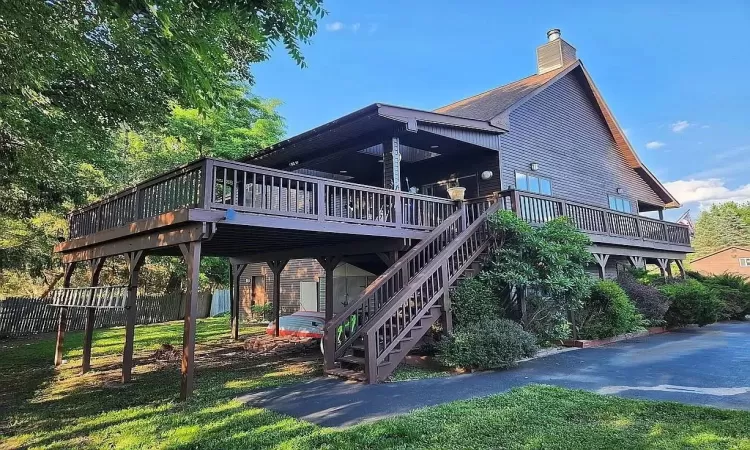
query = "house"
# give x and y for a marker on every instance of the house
(734, 260)
(356, 212)
(561, 140)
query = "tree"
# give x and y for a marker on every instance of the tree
(74, 72)
(241, 127)
(721, 226)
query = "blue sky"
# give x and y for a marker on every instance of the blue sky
(676, 75)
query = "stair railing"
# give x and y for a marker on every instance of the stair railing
(346, 327)
(398, 317)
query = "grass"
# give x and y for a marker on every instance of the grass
(41, 407)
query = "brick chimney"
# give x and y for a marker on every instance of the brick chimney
(556, 53)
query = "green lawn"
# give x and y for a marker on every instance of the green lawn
(40, 407)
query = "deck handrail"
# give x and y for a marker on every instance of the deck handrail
(377, 293)
(214, 183)
(392, 323)
(596, 220)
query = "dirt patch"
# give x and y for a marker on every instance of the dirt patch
(167, 353)
(265, 345)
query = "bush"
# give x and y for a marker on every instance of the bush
(648, 300)
(471, 300)
(608, 312)
(262, 312)
(546, 322)
(734, 291)
(487, 344)
(691, 302)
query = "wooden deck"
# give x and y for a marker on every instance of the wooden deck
(254, 209)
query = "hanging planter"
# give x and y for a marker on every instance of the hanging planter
(456, 193)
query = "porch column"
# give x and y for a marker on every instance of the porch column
(95, 269)
(192, 254)
(392, 164)
(277, 267)
(235, 274)
(135, 261)
(329, 264)
(601, 259)
(63, 321)
(669, 269)
(661, 214)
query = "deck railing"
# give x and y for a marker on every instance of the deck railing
(538, 209)
(219, 184)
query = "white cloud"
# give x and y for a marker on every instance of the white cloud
(653, 145)
(334, 26)
(705, 126)
(373, 28)
(707, 191)
(680, 126)
(355, 27)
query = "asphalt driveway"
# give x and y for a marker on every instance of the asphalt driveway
(702, 366)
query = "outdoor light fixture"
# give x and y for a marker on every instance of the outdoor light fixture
(486, 175)
(534, 166)
(619, 190)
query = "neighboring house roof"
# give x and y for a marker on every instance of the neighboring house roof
(722, 251)
(496, 105)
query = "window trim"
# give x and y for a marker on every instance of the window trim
(746, 262)
(624, 199)
(540, 178)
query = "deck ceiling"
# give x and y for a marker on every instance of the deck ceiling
(236, 241)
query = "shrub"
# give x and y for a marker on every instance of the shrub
(691, 302)
(487, 344)
(608, 312)
(547, 323)
(734, 291)
(648, 300)
(471, 300)
(261, 312)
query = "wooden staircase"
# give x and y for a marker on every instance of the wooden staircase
(368, 340)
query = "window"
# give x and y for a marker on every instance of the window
(744, 262)
(533, 183)
(620, 204)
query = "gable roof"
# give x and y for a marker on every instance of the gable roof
(496, 105)
(721, 251)
(490, 104)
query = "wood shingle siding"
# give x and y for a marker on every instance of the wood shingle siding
(562, 131)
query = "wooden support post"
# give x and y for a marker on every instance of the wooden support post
(663, 263)
(277, 267)
(681, 266)
(601, 259)
(447, 318)
(192, 254)
(135, 261)
(235, 274)
(669, 269)
(329, 264)
(636, 261)
(661, 214)
(95, 269)
(63, 321)
(392, 165)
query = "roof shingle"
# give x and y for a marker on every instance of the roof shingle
(490, 104)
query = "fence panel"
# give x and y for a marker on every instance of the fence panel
(21, 316)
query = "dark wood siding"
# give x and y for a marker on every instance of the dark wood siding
(562, 130)
(295, 271)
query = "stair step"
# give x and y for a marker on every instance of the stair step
(346, 373)
(351, 359)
